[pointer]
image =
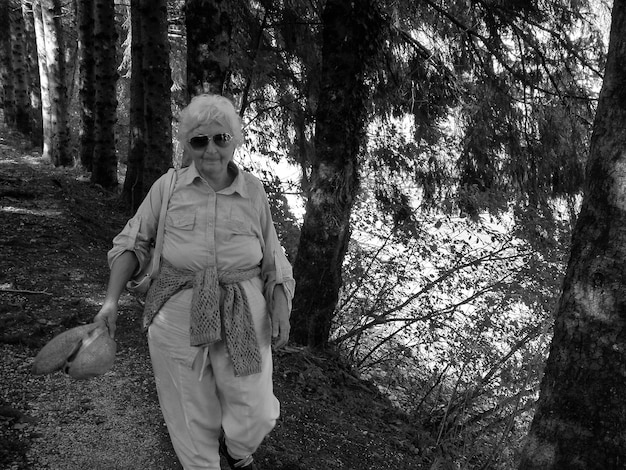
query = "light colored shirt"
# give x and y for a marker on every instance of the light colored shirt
(231, 229)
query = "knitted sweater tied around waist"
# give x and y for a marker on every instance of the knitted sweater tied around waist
(218, 301)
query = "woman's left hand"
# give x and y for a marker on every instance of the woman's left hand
(280, 318)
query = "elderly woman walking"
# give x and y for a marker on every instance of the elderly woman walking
(223, 292)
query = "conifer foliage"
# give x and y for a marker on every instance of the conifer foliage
(439, 149)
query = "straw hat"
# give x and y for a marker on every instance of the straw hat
(82, 352)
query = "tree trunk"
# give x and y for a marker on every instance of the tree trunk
(157, 91)
(46, 106)
(86, 82)
(581, 416)
(133, 184)
(351, 35)
(34, 87)
(71, 48)
(209, 30)
(104, 166)
(6, 67)
(19, 68)
(57, 146)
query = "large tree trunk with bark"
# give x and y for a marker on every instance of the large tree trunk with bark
(351, 36)
(209, 30)
(133, 183)
(34, 87)
(6, 67)
(104, 167)
(46, 106)
(19, 68)
(580, 420)
(157, 91)
(86, 82)
(55, 117)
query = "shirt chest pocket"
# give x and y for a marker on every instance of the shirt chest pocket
(182, 221)
(238, 227)
(238, 223)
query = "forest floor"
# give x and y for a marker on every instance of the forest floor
(55, 230)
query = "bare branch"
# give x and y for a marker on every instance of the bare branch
(22, 291)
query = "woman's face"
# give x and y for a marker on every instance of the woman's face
(211, 147)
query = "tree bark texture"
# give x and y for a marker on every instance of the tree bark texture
(55, 65)
(46, 106)
(580, 420)
(351, 35)
(6, 67)
(133, 183)
(34, 87)
(20, 68)
(104, 166)
(71, 48)
(86, 82)
(209, 30)
(157, 91)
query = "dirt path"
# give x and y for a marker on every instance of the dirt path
(55, 230)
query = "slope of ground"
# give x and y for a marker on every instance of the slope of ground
(55, 229)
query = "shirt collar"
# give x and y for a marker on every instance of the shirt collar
(237, 186)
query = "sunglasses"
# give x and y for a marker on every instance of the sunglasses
(200, 142)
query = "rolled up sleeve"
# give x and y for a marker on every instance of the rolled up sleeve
(275, 267)
(281, 275)
(139, 232)
(130, 239)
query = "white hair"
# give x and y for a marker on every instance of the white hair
(205, 109)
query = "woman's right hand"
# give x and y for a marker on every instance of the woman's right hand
(121, 271)
(108, 315)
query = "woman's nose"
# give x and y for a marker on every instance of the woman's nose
(211, 147)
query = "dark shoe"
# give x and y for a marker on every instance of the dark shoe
(244, 464)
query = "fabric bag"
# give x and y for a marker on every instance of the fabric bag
(140, 282)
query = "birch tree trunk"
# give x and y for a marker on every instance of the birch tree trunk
(581, 414)
(352, 32)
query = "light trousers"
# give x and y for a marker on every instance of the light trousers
(199, 394)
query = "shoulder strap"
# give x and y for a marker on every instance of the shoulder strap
(158, 246)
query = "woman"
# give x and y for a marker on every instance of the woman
(224, 290)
